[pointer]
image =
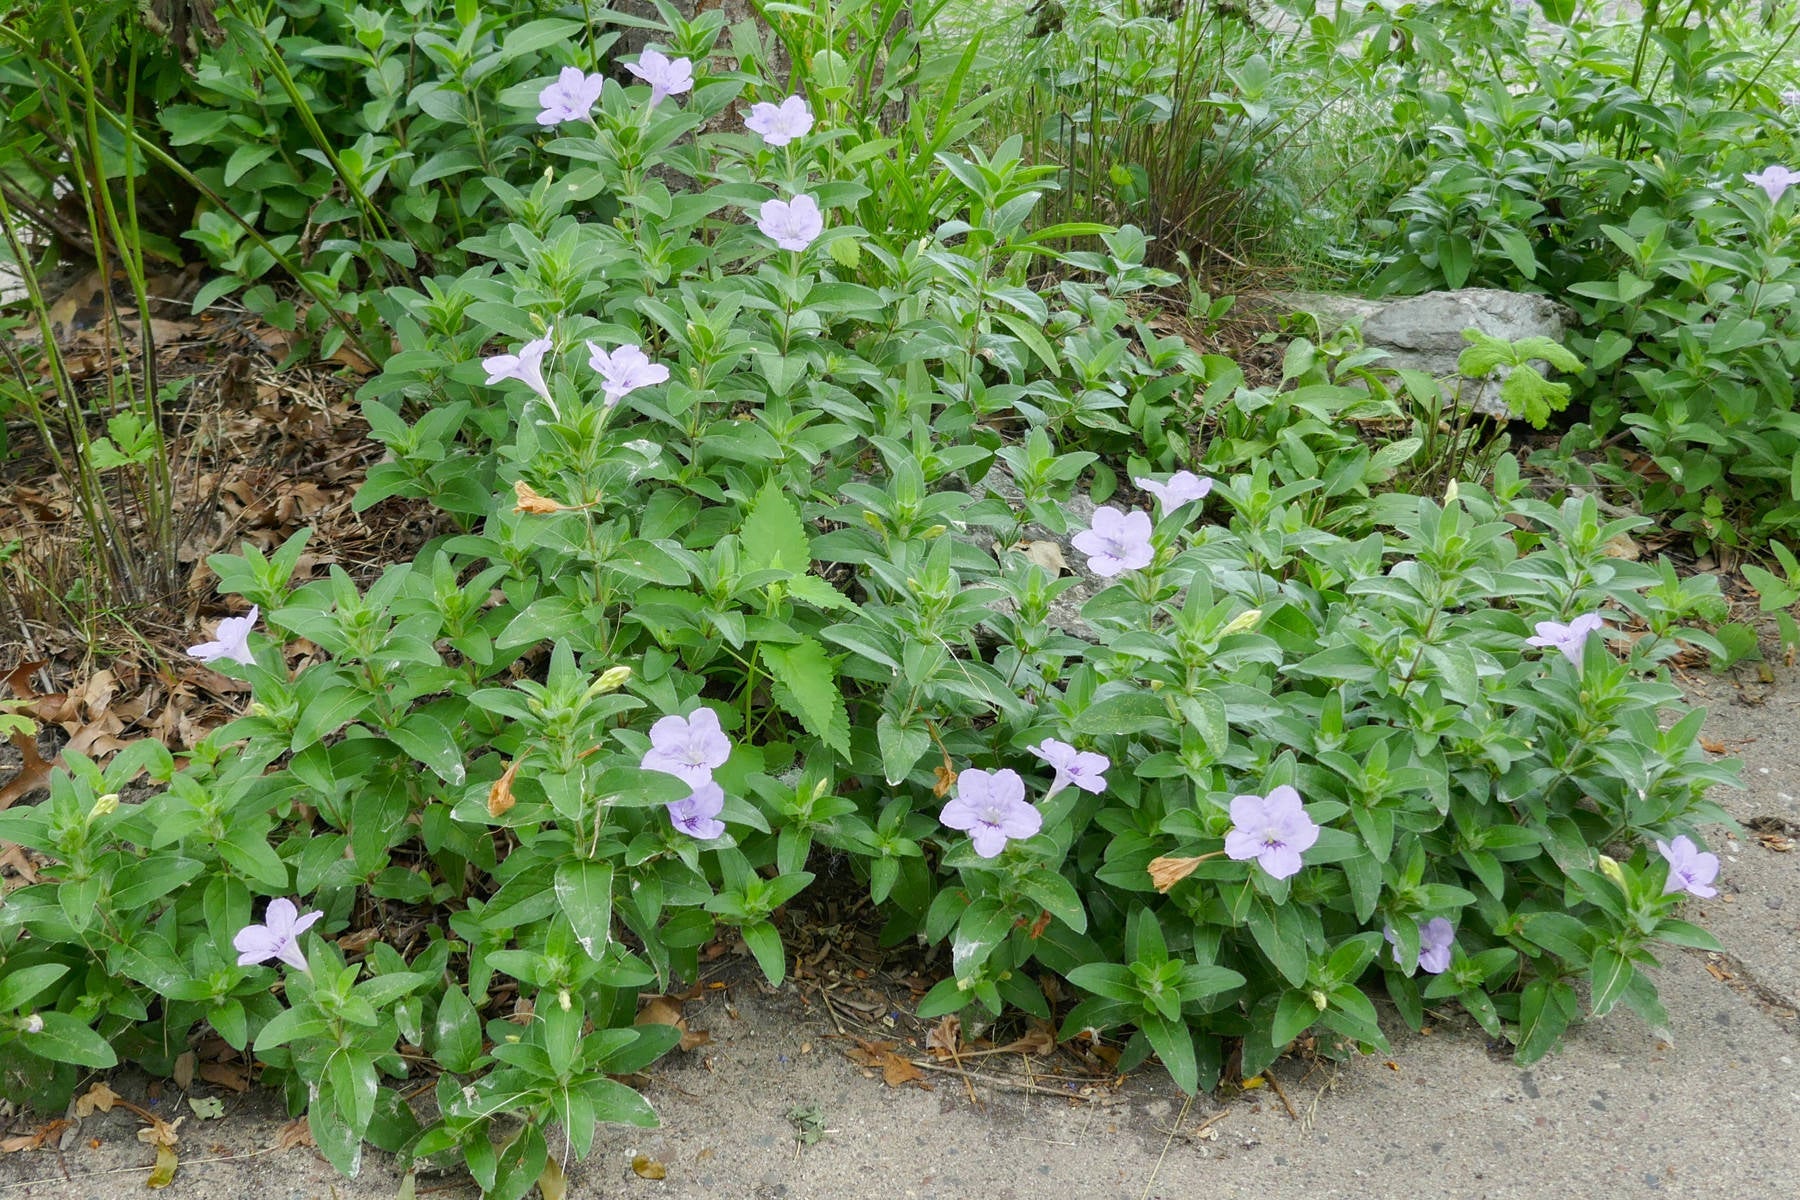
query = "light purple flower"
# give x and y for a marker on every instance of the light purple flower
(1272, 829)
(1774, 180)
(781, 123)
(991, 806)
(1117, 542)
(571, 98)
(665, 78)
(1183, 487)
(688, 747)
(1436, 937)
(625, 370)
(1790, 98)
(1083, 768)
(1567, 638)
(1691, 869)
(698, 815)
(527, 366)
(34, 1024)
(231, 641)
(792, 223)
(277, 937)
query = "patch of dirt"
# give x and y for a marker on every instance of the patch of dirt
(258, 451)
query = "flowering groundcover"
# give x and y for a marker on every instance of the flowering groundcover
(711, 598)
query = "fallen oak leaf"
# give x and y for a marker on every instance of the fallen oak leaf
(896, 1071)
(944, 1039)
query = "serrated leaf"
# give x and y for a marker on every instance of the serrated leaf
(773, 536)
(805, 685)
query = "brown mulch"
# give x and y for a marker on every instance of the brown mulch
(261, 448)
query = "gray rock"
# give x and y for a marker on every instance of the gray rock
(1425, 332)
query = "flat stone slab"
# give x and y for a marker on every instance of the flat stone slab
(1425, 332)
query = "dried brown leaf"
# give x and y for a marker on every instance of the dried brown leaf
(1048, 555)
(897, 1071)
(645, 1167)
(230, 1076)
(530, 502)
(944, 1040)
(295, 1133)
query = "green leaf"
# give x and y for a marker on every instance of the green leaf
(901, 748)
(765, 945)
(1294, 1015)
(585, 891)
(805, 685)
(1175, 1046)
(773, 537)
(23, 984)
(1610, 974)
(458, 1032)
(68, 1039)
(1058, 896)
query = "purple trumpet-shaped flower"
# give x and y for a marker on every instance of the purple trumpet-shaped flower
(277, 937)
(688, 747)
(571, 98)
(698, 815)
(1790, 98)
(779, 124)
(1774, 180)
(1183, 487)
(1272, 829)
(991, 807)
(231, 641)
(1436, 937)
(793, 224)
(1082, 768)
(665, 77)
(527, 366)
(1691, 869)
(1116, 542)
(1567, 638)
(625, 370)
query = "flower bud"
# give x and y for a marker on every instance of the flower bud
(1319, 999)
(562, 999)
(1241, 622)
(34, 1024)
(1451, 492)
(105, 805)
(1610, 869)
(613, 679)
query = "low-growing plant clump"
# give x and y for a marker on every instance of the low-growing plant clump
(757, 512)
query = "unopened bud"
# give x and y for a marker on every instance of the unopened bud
(34, 1024)
(1242, 621)
(104, 805)
(1610, 869)
(1319, 999)
(613, 679)
(562, 999)
(1451, 492)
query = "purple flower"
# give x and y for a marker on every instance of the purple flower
(1272, 829)
(625, 370)
(991, 806)
(1083, 768)
(1567, 638)
(793, 224)
(1691, 869)
(1774, 180)
(665, 78)
(277, 937)
(1790, 98)
(1116, 543)
(527, 366)
(688, 748)
(698, 815)
(781, 123)
(571, 98)
(1436, 937)
(232, 640)
(1183, 487)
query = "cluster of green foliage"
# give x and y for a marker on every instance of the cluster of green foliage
(808, 532)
